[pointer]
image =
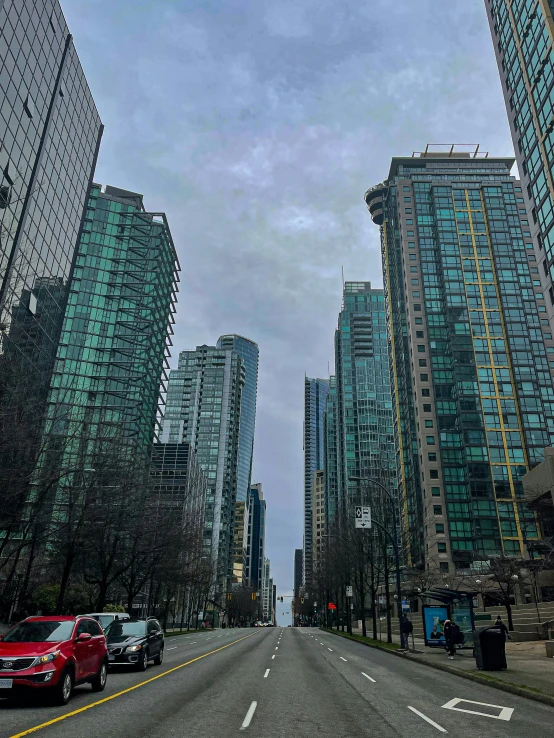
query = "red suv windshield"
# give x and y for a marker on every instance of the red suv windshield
(41, 631)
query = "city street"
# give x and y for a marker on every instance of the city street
(281, 682)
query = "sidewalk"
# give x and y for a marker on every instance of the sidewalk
(528, 666)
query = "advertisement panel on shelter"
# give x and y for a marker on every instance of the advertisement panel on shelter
(433, 625)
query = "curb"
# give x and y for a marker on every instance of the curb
(486, 680)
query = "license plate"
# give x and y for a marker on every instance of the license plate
(6, 683)
(111, 658)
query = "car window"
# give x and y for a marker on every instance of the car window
(105, 620)
(40, 631)
(81, 628)
(120, 628)
(93, 628)
(152, 626)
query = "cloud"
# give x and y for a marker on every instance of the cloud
(257, 127)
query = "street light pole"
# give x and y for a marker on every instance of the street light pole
(394, 542)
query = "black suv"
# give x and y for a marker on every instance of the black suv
(135, 641)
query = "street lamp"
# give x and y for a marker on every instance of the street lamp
(394, 537)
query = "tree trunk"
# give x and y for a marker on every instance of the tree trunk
(508, 607)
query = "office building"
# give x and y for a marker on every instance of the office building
(50, 132)
(203, 407)
(105, 389)
(267, 590)
(249, 353)
(255, 549)
(365, 442)
(471, 354)
(298, 568)
(315, 395)
(179, 483)
(318, 517)
(330, 455)
(523, 39)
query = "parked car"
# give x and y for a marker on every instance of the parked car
(105, 618)
(135, 641)
(55, 654)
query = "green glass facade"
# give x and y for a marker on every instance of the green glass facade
(523, 35)
(203, 408)
(111, 357)
(471, 355)
(365, 442)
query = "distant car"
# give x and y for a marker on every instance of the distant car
(105, 618)
(55, 654)
(135, 641)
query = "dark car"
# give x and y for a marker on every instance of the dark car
(135, 641)
(53, 654)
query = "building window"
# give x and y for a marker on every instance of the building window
(424, 378)
(410, 234)
(413, 270)
(436, 491)
(415, 282)
(406, 188)
(407, 199)
(408, 211)
(419, 334)
(421, 348)
(430, 440)
(413, 257)
(409, 221)
(423, 362)
(419, 321)
(437, 509)
(432, 457)
(434, 473)
(439, 527)
(426, 408)
(411, 245)
(441, 545)
(428, 423)
(444, 567)
(417, 307)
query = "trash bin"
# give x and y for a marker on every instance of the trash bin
(489, 647)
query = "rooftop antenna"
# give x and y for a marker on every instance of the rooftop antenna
(342, 269)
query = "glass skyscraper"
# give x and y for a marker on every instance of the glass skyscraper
(256, 537)
(364, 436)
(203, 407)
(471, 354)
(249, 353)
(523, 35)
(50, 132)
(315, 395)
(330, 454)
(111, 356)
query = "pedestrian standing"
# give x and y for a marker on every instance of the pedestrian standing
(406, 627)
(502, 625)
(451, 635)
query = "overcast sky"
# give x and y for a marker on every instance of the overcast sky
(257, 126)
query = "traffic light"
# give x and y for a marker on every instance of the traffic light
(301, 600)
(281, 598)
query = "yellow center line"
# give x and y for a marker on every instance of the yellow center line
(125, 691)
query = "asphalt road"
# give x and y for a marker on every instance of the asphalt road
(281, 683)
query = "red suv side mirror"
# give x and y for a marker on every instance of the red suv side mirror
(83, 637)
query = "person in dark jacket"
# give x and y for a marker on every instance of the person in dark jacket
(451, 636)
(406, 628)
(502, 625)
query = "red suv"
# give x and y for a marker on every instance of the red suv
(53, 653)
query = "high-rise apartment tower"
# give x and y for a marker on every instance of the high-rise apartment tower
(471, 354)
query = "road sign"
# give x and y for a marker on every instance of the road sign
(331, 606)
(362, 516)
(349, 592)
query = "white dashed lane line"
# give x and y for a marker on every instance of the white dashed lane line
(342, 657)
(431, 722)
(266, 673)
(249, 716)
(371, 679)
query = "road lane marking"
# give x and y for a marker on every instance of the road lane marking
(172, 648)
(276, 648)
(329, 649)
(431, 722)
(371, 679)
(273, 656)
(342, 657)
(129, 689)
(193, 642)
(266, 673)
(249, 715)
(505, 712)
